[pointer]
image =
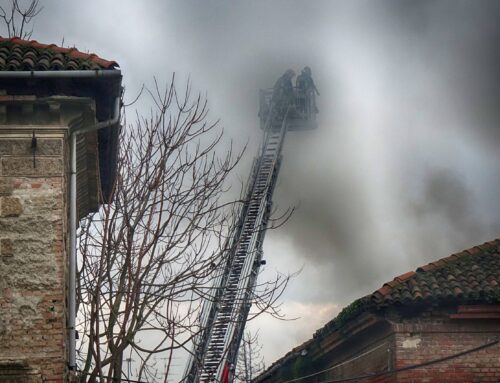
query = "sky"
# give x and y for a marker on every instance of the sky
(403, 168)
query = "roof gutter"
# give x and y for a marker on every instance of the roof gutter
(62, 73)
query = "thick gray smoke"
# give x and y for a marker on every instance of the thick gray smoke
(405, 169)
(404, 166)
(447, 204)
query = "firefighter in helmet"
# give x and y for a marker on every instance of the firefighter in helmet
(283, 89)
(306, 91)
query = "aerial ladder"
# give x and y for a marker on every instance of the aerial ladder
(225, 311)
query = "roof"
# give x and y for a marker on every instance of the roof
(471, 276)
(18, 55)
(23, 55)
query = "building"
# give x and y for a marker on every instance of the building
(440, 323)
(59, 125)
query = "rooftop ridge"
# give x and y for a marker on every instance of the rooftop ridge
(69, 53)
(400, 279)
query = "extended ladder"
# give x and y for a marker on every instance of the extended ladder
(225, 314)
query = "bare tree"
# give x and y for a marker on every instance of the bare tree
(250, 361)
(147, 259)
(17, 17)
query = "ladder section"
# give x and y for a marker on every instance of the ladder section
(271, 161)
(211, 303)
(237, 293)
(223, 317)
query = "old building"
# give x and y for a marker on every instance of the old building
(59, 122)
(440, 323)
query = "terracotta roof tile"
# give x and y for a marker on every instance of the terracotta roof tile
(23, 55)
(385, 289)
(469, 276)
(405, 276)
(452, 277)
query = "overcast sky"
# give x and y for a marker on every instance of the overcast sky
(403, 169)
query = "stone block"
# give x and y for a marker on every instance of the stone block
(32, 251)
(6, 248)
(23, 166)
(18, 371)
(40, 227)
(22, 147)
(10, 207)
(6, 186)
(53, 147)
(46, 203)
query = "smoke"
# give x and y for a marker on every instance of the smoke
(450, 51)
(446, 196)
(403, 168)
(444, 213)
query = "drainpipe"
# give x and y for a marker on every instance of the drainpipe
(73, 225)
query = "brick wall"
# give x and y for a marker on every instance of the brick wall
(434, 335)
(342, 356)
(33, 256)
(405, 338)
(363, 356)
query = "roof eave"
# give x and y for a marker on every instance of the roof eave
(62, 73)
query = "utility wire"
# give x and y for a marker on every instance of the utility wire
(364, 376)
(337, 365)
(115, 379)
(382, 373)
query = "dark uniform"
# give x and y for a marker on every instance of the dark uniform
(306, 90)
(283, 93)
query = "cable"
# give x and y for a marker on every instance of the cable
(115, 379)
(412, 367)
(337, 365)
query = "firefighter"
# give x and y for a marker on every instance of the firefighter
(283, 89)
(283, 97)
(306, 89)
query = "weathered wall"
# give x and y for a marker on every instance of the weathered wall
(361, 353)
(434, 335)
(33, 255)
(341, 356)
(405, 339)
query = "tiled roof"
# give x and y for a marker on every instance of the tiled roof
(23, 55)
(472, 275)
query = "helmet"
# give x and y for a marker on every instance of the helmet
(307, 70)
(290, 73)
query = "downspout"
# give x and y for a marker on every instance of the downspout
(73, 225)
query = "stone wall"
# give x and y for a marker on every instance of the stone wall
(33, 255)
